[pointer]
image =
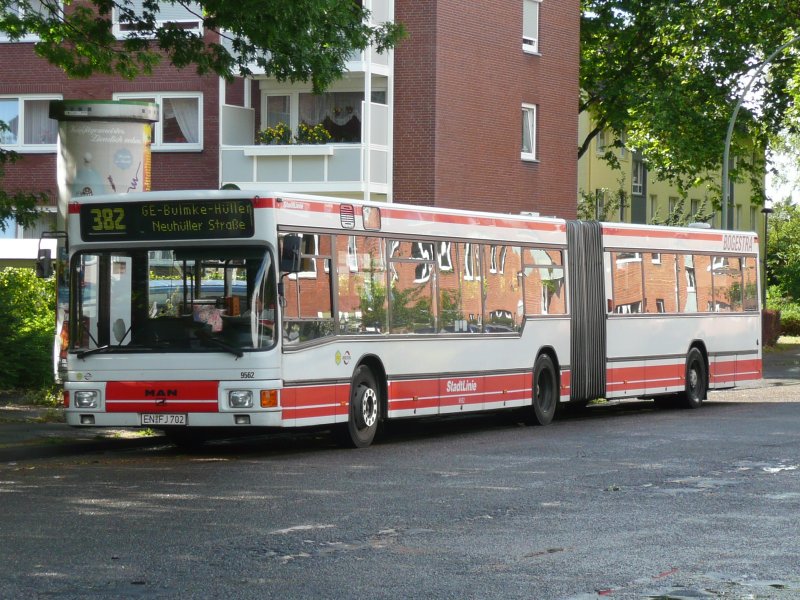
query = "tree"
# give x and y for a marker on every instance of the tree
(297, 40)
(291, 40)
(667, 74)
(26, 329)
(783, 250)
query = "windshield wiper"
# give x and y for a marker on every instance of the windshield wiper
(98, 350)
(115, 348)
(207, 337)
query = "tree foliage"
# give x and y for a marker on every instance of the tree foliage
(783, 250)
(291, 40)
(26, 329)
(667, 74)
(297, 40)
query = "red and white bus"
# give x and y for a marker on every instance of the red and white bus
(227, 309)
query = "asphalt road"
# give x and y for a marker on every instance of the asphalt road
(621, 501)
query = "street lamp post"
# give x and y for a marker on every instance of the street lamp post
(727, 214)
(766, 211)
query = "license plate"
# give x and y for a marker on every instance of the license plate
(163, 419)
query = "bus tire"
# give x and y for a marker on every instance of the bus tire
(545, 391)
(365, 409)
(696, 380)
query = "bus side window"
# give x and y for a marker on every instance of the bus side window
(703, 285)
(687, 284)
(503, 288)
(727, 279)
(412, 303)
(308, 311)
(627, 282)
(543, 280)
(659, 283)
(750, 277)
(361, 277)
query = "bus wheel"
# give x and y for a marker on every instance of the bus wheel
(545, 390)
(696, 380)
(365, 409)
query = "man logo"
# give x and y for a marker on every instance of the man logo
(160, 396)
(161, 393)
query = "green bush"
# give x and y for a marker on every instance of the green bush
(27, 326)
(790, 320)
(778, 299)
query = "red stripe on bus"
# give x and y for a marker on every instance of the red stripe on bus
(168, 390)
(748, 369)
(410, 214)
(655, 233)
(316, 412)
(152, 406)
(259, 202)
(314, 401)
(625, 377)
(722, 371)
(411, 404)
(473, 220)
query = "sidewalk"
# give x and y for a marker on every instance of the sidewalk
(24, 426)
(34, 431)
(782, 363)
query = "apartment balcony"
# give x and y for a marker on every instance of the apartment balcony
(324, 168)
(356, 168)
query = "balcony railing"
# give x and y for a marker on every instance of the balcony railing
(335, 168)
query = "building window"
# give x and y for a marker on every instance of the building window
(180, 126)
(187, 16)
(11, 229)
(637, 178)
(653, 206)
(528, 132)
(23, 9)
(673, 205)
(278, 110)
(338, 112)
(753, 219)
(28, 126)
(600, 142)
(530, 25)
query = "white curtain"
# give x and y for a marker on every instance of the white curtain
(39, 127)
(185, 111)
(340, 107)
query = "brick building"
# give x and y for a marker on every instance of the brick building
(474, 109)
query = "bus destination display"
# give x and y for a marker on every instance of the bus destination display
(163, 220)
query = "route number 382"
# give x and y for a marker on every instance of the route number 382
(108, 219)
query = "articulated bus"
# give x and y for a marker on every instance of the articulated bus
(229, 309)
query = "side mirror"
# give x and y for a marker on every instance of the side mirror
(290, 253)
(44, 263)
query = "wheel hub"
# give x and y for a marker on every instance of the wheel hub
(369, 407)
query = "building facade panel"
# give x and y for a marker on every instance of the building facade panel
(470, 77)
(26, 74)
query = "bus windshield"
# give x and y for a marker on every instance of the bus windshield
(187, 299)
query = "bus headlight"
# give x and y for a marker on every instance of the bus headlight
(86, 398)
(240, 399)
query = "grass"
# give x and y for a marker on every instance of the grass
(785, 342)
